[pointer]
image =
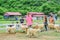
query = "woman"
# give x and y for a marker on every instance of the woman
(51, 20)
(45, 22)
(29, 20)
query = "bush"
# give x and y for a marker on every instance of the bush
(1, 17)
(2, 10)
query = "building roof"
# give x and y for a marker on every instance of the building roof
(36, 13)
(12, 13)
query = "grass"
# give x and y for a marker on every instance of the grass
(5, 22)
(2, 31)
(2, 27)
(58, 22)
(50, 33)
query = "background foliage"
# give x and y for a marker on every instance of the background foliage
(24, 6)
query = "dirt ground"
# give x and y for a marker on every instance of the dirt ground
(22, 36)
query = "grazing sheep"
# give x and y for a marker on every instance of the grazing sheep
(11, 29)
(51, 26)
(41, 26)
(33, 31)
(57, 27)
(24, 27)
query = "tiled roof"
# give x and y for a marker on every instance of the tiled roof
(12, 13)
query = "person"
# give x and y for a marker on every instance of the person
(51, 20)
(45, 22)
(21, 20)
(29, 20)
(17, 26)
(56, 16)
(16, 18)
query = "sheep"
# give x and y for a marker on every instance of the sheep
(24, 27)
(57, 27)
(40, 26)
(51, 26)
(32, 32)
(11, 29)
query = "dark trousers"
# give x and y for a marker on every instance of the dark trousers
(45, 27)
(29, 26)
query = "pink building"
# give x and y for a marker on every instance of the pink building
(37, 15)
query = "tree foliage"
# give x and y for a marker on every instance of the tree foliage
(25, 6)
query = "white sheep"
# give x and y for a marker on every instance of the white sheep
(51, 26)
(11, 29)
(57, 27)
(24, 27)
(32, 32)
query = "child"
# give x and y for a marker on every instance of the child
(22, 20)
(17, 26)
(45, 22)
